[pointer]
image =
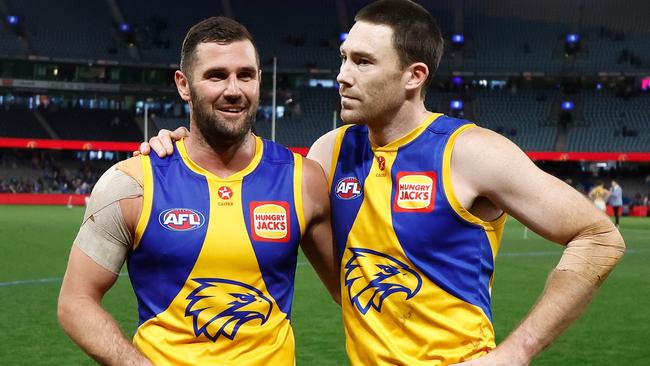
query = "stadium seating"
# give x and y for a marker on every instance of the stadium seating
(10, 45)
(522, 116)
(54, 30)
(308, 41)
(303, 124)
(161, 26)
(20, 122)
(97, 124)
(606, 115)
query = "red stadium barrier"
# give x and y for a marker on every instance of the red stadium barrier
(42, 199)
(131, 146)
(641, 211)
(68, 144)
(87, 145)
(588, 156)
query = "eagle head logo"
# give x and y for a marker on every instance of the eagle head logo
(219, 307)
(371, 277)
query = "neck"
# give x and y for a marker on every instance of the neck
(408, 117)
(224, 160)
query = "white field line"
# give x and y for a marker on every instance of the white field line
(507, 255)
(59, 279)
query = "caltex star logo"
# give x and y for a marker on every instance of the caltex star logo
(225, 193)
(382, 162)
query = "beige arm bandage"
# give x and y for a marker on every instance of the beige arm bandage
(594, 252)
(104, 235)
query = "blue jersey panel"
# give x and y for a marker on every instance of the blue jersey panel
(277, 260)
(173, 237)
(354, 162)
(445, 247)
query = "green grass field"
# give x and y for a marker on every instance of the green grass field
(35, 241)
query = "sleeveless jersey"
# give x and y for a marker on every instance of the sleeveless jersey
(416, 267)
(214, 260)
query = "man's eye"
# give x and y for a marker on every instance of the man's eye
(216, 76)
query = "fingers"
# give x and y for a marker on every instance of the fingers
(181, 132)
(162, 144)
(143, 149)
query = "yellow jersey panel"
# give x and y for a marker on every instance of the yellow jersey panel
(215, 267)
(415, 275)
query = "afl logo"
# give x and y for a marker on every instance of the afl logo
(181, 219)
(348, 188)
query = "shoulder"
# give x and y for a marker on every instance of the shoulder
(487, 160)
(478, 144)
(120, 183)
(481, 144)
(276, 153)
(132, 167)
(322, 150)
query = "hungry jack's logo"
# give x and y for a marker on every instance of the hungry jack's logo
(270, 221)
(415, 192)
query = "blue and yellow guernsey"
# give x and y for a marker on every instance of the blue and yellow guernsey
(214, 260)
(416, 267)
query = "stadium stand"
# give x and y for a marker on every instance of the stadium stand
(97, 124)
(159, 29)
(309, 115)
(10, 44)
(19, 121)
(308, 41)
(523, 116)
(53, 32)
(613, 123)
(506, 42)
(47, 171)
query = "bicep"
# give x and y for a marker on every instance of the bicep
(85, 278)
(318, 232)
(501, 172)
(317, 242)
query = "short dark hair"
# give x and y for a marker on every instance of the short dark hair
(213, 29)
(416, 35)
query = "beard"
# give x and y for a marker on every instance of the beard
(221, 133)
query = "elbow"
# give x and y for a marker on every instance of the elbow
(619, 243)
(334, 288)
(337, 298)
(64, 312)
(594, 254)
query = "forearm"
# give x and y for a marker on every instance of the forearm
(565, 297)
(97, 333)
(586, 262)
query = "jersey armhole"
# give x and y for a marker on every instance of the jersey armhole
(147, 200)
(493, 229)
(449, 188)
(297, 191)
